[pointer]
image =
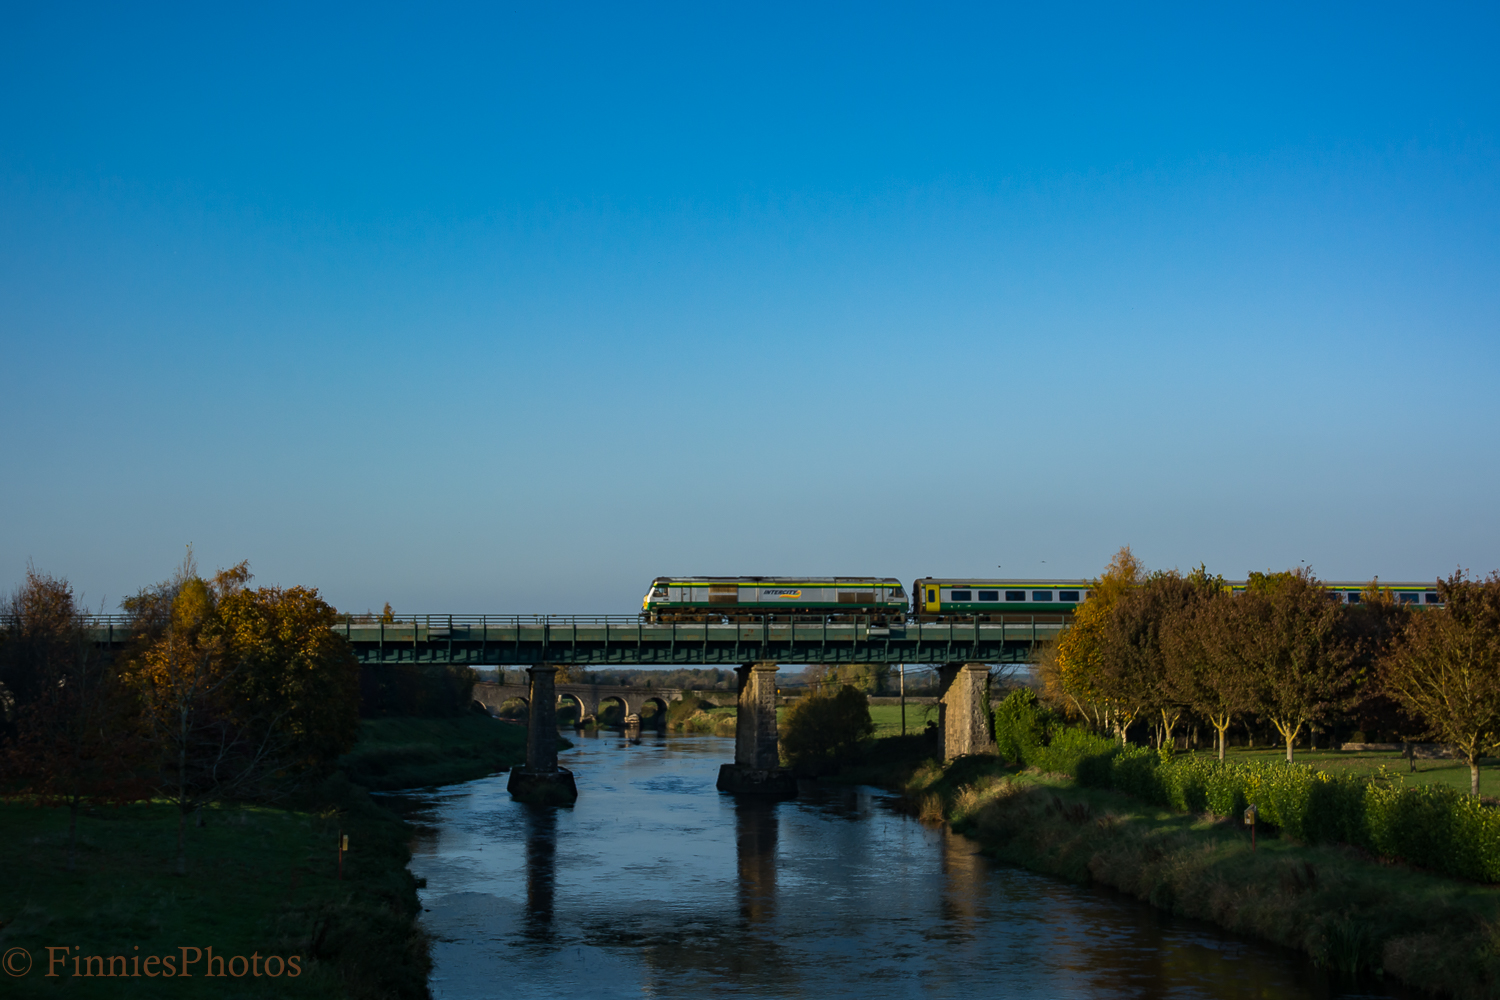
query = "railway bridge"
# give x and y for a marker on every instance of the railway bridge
(960, 650)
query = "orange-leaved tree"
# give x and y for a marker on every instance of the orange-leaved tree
(242, 692)
(1079, 657)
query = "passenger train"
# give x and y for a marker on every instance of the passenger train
(883, 601)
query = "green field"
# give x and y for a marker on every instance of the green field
(413, 753)
(887, 718)
(260, 882)
(1441, 771)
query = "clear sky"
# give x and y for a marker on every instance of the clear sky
(478, 309)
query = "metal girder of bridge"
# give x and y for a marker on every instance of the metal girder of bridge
(630, 643)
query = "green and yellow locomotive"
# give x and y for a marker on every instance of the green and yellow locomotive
(876, 600)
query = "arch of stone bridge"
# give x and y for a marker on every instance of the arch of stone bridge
(514, 707)
(659, 703)
(584, 708)
(617, 699)
(493, 695)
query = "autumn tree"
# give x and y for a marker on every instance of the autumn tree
(1445, 668)
(1079, 656)
(241, 692)
(1204, 674)
(292, 666)
(1134, 668)
(71, 738)
(1290, 638)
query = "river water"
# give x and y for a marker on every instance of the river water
(655, 885)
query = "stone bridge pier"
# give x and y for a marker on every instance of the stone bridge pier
(964, 724)
(541, 779)
(757, 766)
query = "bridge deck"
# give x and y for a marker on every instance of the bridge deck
(484, 640)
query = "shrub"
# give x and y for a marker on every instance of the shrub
(1070, 749)
(1021, 725)
(1431, 826)
(823, 730)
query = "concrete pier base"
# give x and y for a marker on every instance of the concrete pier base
(964, 726)
(541, 780)
(757, 766)
(556, 788)
(776, 782)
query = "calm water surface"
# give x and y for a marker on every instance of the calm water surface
(656, 885)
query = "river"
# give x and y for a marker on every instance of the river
(655, 885)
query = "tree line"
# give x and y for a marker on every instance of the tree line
(222, 691)
(1168, 649)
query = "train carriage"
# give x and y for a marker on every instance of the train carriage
(1352, 592)
(963, 599)
(878, 600)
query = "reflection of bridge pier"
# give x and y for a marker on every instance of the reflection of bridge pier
(541, 871)
(755, 850)
(540, 779)
(757, 766)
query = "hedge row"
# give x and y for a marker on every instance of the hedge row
(1432, 826)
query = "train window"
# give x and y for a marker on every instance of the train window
(1013, 596)
(932, 596)
(962, 595)
(659, 593)
(1045, 596)
(1407, 598)
(1353, 597)
(1432, 597)
(1068, 595)
(989, 595)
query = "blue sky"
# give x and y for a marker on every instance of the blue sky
(472, 309)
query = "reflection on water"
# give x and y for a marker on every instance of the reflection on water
(654, 884)
(755, 852)
(541, 870)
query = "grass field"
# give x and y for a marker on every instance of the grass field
(260, 882)
(1441, 771)
(887, 718)
(413, 753)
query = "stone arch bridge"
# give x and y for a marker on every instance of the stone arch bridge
(588, 696)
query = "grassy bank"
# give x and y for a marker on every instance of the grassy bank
(699, 715)
(260, 882)
(416, 753)
(1342, 907)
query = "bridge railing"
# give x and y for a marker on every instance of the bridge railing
(436, 624)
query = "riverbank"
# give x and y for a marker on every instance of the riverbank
(397, 753)
(1345, 909)
(261, 881)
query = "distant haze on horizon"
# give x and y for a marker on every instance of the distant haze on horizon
(511, 311)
